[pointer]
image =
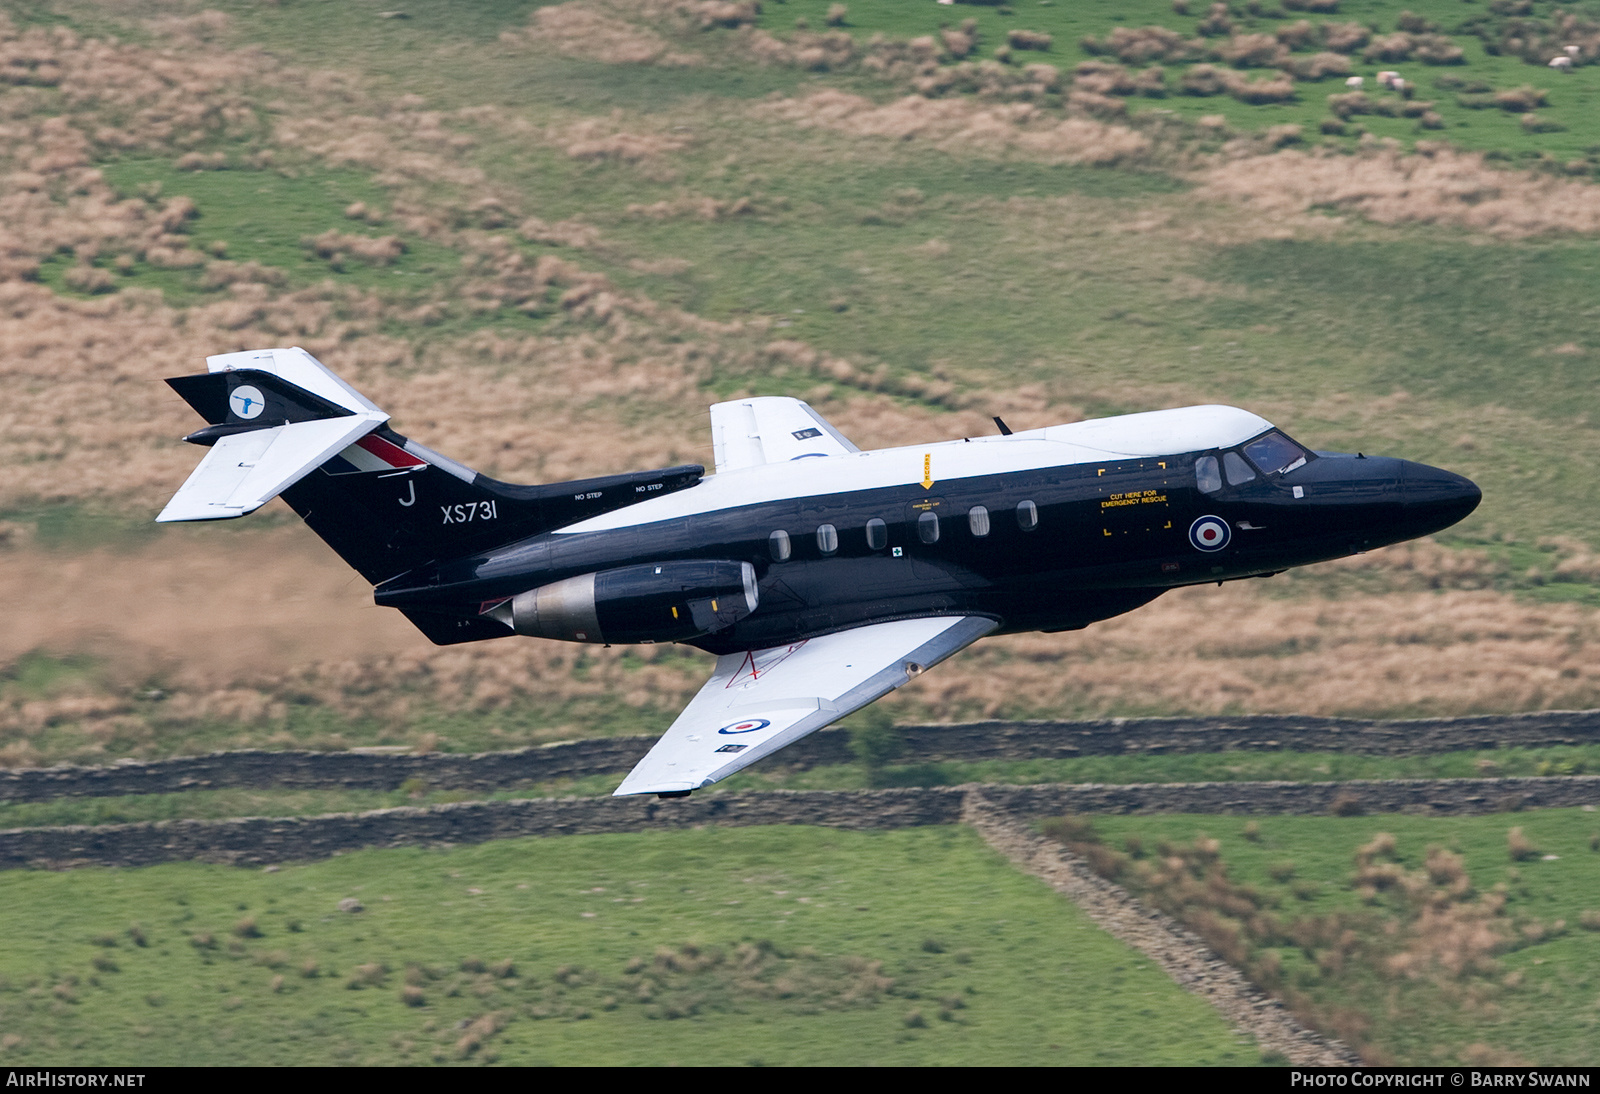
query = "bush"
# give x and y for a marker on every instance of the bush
(1519, 100)
(876, 742)
(1029, 39)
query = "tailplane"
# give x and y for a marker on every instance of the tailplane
(281, 424)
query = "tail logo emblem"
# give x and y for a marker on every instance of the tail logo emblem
(247, 402)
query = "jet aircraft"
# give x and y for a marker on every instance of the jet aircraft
(822, 577)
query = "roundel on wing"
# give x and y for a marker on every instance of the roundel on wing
(749, 725)
(1209, 533)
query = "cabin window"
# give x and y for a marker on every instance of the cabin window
(978, 520)
(1238, 471)
(877, 534)
(1274, 453)
(1027, 516)
(928, 528)
(778, 546)
(1207, 475)
(827, 539)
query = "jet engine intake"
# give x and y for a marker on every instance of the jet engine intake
(657, 602)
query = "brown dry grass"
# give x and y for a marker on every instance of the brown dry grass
(1440, 186)
(959, 125)
(1425, 934)
(601, 33)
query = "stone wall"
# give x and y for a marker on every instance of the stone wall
(258, 841)
(975, 741)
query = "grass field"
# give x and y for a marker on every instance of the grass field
(774, 946)
(1470, 939)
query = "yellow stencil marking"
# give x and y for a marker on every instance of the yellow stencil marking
(927, 470)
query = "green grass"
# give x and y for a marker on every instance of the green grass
(1574, 96)
(263, 216)
(948, 919)
(1539, 1004)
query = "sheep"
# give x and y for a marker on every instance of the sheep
(1561, 64)
(1354, 81)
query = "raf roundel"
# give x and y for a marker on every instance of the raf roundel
(749, 725)
(1209, 534)
(247, 402)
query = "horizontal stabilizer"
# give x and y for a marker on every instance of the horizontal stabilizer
(244, 471)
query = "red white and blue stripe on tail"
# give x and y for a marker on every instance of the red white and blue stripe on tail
(373, 453)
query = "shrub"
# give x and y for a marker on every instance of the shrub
(1216, 23)
(837, 14)
(1141, 45)
(1389, 48)
(1519, 100)
(1251, 51)
(1435, 49)
(877, 742)
(90, 279)
(1345, 37)
(1300, 34)
(1320, 65)
(1029, 39)
(1203, 80)
(1520, 847)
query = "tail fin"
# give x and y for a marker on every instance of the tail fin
(282, 424)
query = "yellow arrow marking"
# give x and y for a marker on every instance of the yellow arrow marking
(927, 470)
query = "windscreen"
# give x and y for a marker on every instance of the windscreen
(1274, 453)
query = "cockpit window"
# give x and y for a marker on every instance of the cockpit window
(1238, 470)
(1206, 475)
(1275, 453)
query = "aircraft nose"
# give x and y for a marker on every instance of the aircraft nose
(1436, 497)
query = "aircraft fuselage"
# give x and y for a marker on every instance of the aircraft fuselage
(1047, 530)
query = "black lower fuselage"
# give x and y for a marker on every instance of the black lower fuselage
(1047, 548)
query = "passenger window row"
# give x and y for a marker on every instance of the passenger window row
(780, 547)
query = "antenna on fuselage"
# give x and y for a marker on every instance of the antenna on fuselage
(1005, 430)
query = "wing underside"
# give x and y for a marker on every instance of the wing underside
(756, 703)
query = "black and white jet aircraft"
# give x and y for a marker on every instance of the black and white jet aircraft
(821, 576)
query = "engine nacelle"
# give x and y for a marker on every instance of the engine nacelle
(658, 602)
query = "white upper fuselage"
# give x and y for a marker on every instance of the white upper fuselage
(1155, 433)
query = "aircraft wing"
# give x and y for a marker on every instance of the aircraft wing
(771, 429)
(756, 703)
